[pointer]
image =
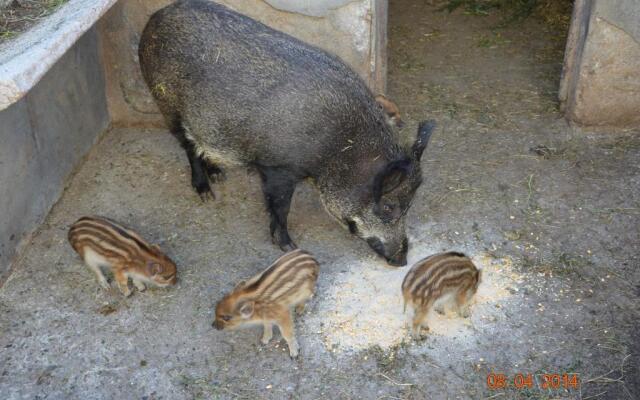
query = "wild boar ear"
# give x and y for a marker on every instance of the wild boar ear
(390, 178)
(425, 129)
(246, 309)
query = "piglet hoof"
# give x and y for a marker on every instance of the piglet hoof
(419, 334)
(104, 284)
(293, 350)
(140, 285)
(266, 338)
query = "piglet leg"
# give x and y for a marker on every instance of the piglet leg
(267, 332)
(123, 282)
(285, 324)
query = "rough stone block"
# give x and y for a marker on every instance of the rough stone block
(601, 83)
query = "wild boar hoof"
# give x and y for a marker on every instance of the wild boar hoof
(205, 192)
(283, 240)
(288, 246)
(217, 176)
(215, 173)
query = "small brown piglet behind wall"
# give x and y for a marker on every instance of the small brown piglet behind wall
(103, 243)
(270, 297)
(438, 281)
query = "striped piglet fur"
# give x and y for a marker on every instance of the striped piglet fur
(103, 243)
(438, 281)
(270, 297)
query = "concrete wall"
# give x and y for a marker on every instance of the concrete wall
(43, 137)
(601, 78)
(344, 27)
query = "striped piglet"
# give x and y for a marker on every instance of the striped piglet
(439, 281)
(103, 243)
(269, 298)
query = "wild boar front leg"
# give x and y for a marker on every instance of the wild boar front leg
(216, 174)
(278, 186)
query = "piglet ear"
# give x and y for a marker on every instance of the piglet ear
(246, 309)
(154, 268)
(425, 129)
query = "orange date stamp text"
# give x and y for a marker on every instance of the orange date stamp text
(567, 381)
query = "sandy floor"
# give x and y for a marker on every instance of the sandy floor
(556, 233)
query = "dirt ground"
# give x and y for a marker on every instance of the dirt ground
(549, 212)
(20, 15)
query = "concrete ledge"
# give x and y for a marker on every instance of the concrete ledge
(25, 60)
(43, 137)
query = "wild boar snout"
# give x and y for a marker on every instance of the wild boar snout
(394, 253)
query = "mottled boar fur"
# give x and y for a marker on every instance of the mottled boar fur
(236, 92)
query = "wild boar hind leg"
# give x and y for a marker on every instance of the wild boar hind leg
(199, 167)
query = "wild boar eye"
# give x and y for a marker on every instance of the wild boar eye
(387, 208)
(226, 318)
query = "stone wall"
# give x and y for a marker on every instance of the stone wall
(601, 77)
(43, 137)
(344, 27)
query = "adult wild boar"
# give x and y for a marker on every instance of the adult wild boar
(236, 92)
